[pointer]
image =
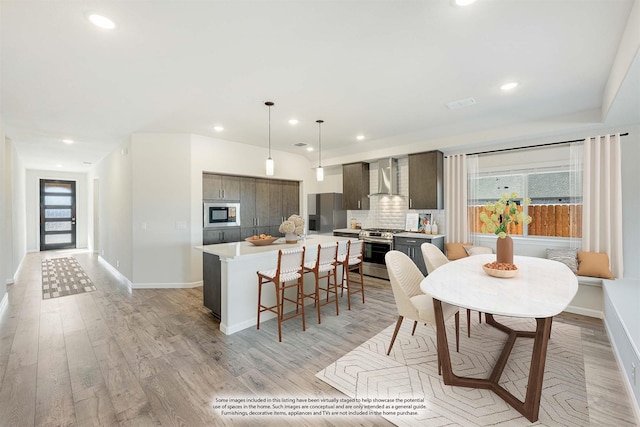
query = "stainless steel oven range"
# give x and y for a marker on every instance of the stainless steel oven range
(377, 242)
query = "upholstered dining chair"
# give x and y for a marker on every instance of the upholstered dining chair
(434, 258)
(405, 278)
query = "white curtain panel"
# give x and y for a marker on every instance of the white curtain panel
(576, 171)
(602, 199)
(455, 198)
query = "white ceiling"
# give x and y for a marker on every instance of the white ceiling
(385, 69)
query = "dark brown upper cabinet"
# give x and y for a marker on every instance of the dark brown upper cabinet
(220, 187)
(355, 186)
(426, 180)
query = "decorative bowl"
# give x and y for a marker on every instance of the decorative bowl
(261, 242)
(501, 273)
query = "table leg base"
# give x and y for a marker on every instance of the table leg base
(531, 405)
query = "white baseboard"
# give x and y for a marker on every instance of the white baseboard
(4, 302)
(114, 271)
(166, 285)
(239, 326)
(585, 311)
(15, 273)
(627, 383)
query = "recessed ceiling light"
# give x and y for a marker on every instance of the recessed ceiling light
(293, 122)
(509, 86)
(218, 128)
(58, 165)
(360, 137)
(309, 148)
(68, 141)
(464, 2)
(101, 21)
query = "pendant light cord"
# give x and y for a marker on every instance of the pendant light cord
(319, 142)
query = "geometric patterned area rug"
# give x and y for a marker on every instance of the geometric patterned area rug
(411, 372)
(62, 277)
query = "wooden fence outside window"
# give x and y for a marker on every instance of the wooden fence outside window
(564, 220)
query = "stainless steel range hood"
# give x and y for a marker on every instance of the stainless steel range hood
(387, 177)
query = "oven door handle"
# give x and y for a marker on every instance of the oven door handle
(374, 240)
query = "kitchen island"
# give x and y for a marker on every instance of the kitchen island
(231, 283)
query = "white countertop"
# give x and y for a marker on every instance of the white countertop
(417, 235)
(542, 288)
(242, 249)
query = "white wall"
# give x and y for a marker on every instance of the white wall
(161, 208)
(12, 224)
(16, 215)
(5, 204)
(32, 194)
(631, 202)
(115, 209)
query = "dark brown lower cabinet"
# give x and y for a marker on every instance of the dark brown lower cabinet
(211, 284)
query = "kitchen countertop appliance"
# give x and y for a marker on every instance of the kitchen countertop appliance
(377, 242)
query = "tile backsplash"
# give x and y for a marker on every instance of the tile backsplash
(391, 211)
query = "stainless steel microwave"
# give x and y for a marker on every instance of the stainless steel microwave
(221, 215)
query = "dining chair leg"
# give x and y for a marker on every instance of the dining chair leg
(395, 333)
(335, 287)
(458, 331)
(259, 301)
(480, 317)
(415, 323)
(301, 301)
(280, 308)
(361, 281)
(317, 301)
(348, 288)
(468, 323)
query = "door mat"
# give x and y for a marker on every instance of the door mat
(411, 372)
(64, 276)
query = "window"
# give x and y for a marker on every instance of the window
(556, 200)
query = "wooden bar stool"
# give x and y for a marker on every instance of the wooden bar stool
(324, 267)
(352, 261)
(289, 269)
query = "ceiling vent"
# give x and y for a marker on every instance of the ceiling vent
(387, 177)
(460, 103)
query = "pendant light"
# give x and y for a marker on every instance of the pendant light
(269, 164)
(319, 171)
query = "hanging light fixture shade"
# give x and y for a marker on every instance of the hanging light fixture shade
(269, 164)
(320, 171)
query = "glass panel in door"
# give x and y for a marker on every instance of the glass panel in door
(57, 214)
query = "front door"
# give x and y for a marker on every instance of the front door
(57, 214)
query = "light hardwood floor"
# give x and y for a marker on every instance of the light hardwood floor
(156, 357)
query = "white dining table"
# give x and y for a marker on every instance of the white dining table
(541, 289)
